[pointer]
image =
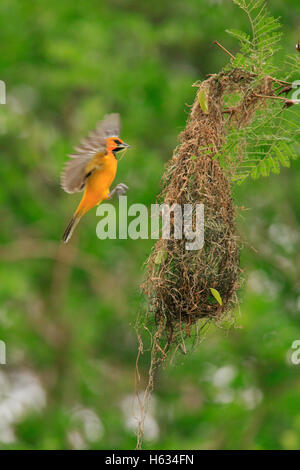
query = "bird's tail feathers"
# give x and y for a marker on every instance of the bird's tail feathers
(71, 226)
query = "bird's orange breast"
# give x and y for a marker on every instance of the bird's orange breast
(98, 184)
(101, 180)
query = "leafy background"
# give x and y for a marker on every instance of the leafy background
(67, 313)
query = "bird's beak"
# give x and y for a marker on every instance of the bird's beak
(124, 145)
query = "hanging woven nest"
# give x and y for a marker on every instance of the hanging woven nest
(183, 285)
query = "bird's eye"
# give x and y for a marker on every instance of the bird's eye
(118, 142)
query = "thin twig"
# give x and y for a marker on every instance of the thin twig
(223, 49)
(281, 82)
(270, 97)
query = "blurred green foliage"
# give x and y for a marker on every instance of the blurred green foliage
(67, 313)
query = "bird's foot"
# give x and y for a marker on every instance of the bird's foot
(119, 190)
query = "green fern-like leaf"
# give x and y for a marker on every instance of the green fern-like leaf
(272, 139)
(258, 47)
(263, 147)
(292, 66)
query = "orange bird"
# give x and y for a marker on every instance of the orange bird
(93, 168)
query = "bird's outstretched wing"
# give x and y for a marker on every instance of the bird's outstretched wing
(74, 174)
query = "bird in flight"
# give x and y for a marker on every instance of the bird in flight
(93, 168)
